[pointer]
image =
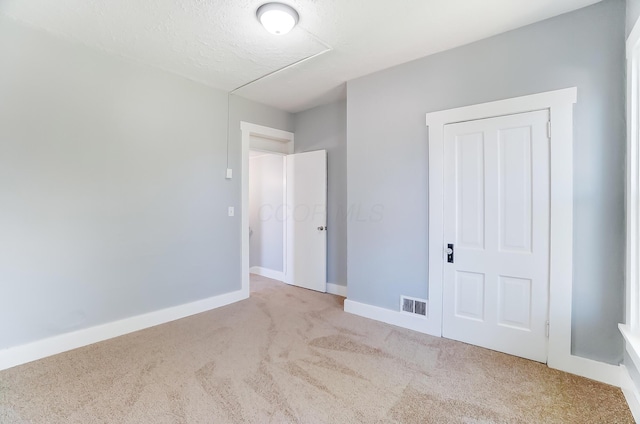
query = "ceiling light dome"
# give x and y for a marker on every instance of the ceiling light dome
(277, 18)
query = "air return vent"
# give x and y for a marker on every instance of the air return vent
(411, 305)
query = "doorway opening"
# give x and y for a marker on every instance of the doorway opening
(284, 223)
(262, 139)
(267, 229)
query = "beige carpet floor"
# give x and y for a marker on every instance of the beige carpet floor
(292, 355)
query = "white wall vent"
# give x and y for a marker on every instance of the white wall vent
(412, 305)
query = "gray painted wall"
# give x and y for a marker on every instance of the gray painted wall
(633, 13)
(325, 127)
(266, 208)
(113, 198)
(388, 162)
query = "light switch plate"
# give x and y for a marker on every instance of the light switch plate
(232, 211)
(229, 173)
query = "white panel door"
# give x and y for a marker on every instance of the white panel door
(307, 220)
(496, 201)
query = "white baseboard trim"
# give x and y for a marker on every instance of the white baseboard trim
(337, 289)
(415, 323)
(588, 368)
(631, 393)
(19, 355)
(268, 273)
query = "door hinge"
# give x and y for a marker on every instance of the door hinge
(547, 329)
(549, 129)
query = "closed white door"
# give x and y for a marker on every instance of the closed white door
(496, 280)
(307, 220)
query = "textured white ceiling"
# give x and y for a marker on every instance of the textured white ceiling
(220, 42)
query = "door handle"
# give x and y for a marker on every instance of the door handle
(450, 253)
(321, 228)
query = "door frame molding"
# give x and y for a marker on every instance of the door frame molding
(560, 105)
(248, 129)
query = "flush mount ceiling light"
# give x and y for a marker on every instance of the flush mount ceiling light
(277, 18)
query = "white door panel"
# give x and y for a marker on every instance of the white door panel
(470, 196)
(469, 295)
(496, 205)
(514, 153)
(307, 220)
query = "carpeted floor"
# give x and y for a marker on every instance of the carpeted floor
(292, 355)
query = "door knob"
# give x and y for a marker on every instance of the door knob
(321, 228)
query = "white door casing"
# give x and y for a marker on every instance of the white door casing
(306, 208)
(560, 105)
(496, 215)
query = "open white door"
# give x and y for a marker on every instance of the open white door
(307, 220)
(496, 223)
